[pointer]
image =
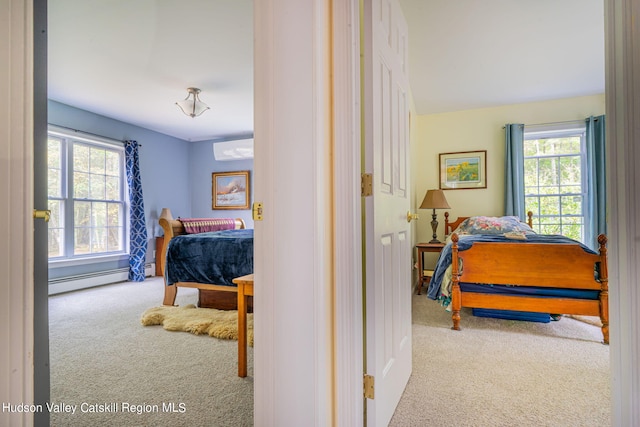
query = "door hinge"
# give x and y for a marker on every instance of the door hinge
(366, 184)
(369, 386)
(257, 211)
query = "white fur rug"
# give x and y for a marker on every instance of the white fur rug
(199, 321)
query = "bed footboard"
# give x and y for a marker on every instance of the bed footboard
(559, 266)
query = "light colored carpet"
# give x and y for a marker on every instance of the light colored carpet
(221, 324)
(492, 373)
(592, 320)
(101, 354)
(504, 373)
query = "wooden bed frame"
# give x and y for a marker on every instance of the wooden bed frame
(175, 227)
(559, 266)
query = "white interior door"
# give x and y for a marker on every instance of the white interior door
(388, 241)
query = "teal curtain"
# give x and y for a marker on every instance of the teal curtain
(514, 170)
(595, 204)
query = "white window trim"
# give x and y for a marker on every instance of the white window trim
(562, 130)
(83, 136)
(96, 140)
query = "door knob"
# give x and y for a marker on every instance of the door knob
(46, 215)
(411, 217)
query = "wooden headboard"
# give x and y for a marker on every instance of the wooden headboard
(449, 226)
(175, 227)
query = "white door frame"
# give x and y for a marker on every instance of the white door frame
(16, 213)
(293, 246)
(316, 128)
(349, 363)
(622, 60)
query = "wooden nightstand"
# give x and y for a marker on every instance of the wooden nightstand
(425, 275)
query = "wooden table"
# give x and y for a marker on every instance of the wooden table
(245, 290)
(422, 248)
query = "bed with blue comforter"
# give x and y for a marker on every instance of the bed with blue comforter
(513, 273)
(206, 254)
(215, 257)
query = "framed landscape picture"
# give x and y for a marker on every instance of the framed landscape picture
(230, 190)
(463, 170)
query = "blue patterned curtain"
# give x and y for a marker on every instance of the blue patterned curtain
(137, 226)
(595, 205)
(514, 170)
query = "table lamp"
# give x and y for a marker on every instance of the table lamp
(434, 199)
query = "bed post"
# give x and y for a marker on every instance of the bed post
(170, 292)
(530, 219)
(455, 287)
(604, 287)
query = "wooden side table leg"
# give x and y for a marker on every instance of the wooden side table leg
(242, 331)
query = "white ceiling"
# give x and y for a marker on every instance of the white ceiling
(466, 54)
(131, 60)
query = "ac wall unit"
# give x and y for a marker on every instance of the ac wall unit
(240, 149)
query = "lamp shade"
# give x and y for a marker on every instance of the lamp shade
(191, 105)
(434, 199)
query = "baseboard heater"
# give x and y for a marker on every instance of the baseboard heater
(83, 281)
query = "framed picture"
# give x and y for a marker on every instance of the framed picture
(230, 190)
(463, 170)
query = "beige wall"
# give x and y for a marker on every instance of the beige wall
(480, 129)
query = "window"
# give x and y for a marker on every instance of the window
(86, 191)
(554, 182)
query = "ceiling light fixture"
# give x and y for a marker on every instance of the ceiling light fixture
(191, 105)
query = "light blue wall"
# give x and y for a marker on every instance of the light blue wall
(176, 174)
(203, 164)
(164, 169)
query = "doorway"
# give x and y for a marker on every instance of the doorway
(175, 150)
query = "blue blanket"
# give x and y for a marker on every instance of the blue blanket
(466, 241)
(213, 258)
